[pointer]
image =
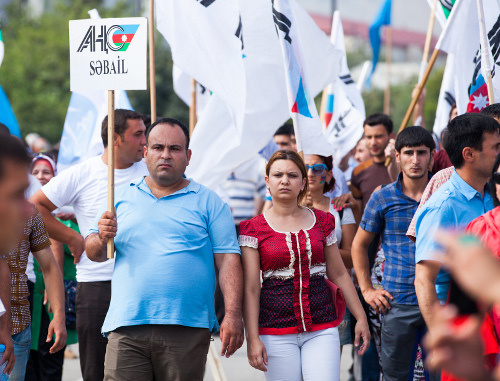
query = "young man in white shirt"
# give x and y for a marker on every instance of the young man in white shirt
(85, 187)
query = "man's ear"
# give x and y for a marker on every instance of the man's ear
(392, 135)
(433, 152)
(188, 154)
(468, 154)
(397, 156)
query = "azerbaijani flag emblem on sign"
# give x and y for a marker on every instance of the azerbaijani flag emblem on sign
(123, 35)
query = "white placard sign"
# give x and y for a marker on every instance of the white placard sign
(108, 54)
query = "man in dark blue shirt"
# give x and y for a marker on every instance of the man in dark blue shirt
(389, 211)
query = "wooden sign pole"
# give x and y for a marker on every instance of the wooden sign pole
(111, 164)
(192, 109)
(152, 75)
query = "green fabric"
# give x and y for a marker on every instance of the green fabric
(446, 11)
(69, 274)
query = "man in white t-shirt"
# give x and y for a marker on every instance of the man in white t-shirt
(85, 187)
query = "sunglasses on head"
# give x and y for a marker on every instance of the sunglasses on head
(496, 177)
(318, 169)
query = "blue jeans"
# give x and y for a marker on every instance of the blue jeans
(22, 342)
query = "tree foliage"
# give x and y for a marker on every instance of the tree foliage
(35, 70)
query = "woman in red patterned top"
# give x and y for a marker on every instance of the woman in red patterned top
(289, 320)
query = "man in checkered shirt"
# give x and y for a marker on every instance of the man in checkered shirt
(389, 211)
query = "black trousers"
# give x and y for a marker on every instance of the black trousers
(92, 303)
(43, 366)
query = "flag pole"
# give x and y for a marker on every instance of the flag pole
(111, 165)
(333, 39)
(152, 81)
(428, 39)
(388, 54)
(192, 108)
(420, 87)
(485, 59)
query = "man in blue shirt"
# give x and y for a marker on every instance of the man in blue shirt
(168, 232)
(389, 211)
(472, 142)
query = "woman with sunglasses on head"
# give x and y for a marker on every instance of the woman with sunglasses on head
(290, 318)
(321, 181)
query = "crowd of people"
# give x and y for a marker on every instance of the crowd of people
(394, 251)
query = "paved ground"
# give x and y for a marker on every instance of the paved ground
(236, 368)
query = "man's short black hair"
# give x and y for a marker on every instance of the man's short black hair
(414, 136)
(286, 129)
(467, 130)
(379, 118)
(492, 110)
(121, 118)
(12, 149)
(4, 130)
(170, 122)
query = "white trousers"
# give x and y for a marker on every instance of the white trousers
(307, 356)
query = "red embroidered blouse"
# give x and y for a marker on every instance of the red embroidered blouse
(294, 295)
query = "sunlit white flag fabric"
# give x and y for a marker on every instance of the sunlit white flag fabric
(446, 97)
(293, 37)
(205, 37)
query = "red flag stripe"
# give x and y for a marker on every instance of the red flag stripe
(117, 38)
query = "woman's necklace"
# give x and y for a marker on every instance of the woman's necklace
(325, 204)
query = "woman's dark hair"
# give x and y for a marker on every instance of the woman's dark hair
(328, 161)
(286, 154)
(493, 185)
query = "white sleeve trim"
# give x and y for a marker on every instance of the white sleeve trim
(331, 239)
(245, 240)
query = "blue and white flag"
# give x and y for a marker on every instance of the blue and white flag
(306, 121)
(383, 18)
(81, 136)
(7, 116)
(345, 128)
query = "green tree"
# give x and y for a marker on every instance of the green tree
(35, 70)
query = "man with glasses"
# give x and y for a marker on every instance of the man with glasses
(389, 212)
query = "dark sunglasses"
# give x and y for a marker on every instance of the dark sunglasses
(318, 169)
(496, 177)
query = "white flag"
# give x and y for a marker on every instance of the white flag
(446, 97)
(218, 146)
(461, 38)
(182, 87)
(306, 121)
(346, 126)
(205, 37)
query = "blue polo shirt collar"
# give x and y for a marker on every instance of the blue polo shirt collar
(464, 188)
(141, 184)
